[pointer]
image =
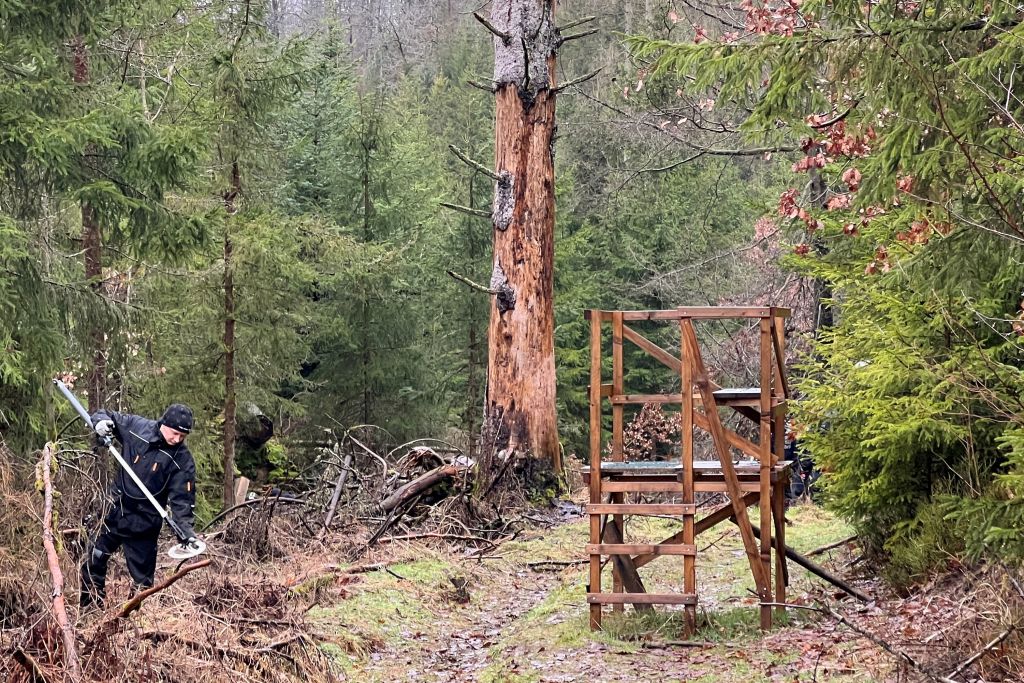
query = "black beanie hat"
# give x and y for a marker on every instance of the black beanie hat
(178, 417)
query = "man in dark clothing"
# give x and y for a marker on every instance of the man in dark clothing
(156, 452)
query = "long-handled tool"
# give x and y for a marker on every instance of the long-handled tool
(186, 547)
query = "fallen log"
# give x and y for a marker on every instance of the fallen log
(420, 484)
(60, 612)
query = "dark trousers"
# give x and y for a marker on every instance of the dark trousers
(139, 554)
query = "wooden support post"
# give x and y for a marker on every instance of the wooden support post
(595, 462)
(689, 532)
(618, 389)
(780, 392)
(780, 387)
(765, 456)
(781, 572)
(722, 447)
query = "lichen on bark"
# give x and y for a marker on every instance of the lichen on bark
(506, 296)
(532, 37)
(504, 201)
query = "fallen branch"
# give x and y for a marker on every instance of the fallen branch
(554, 564)
(248, 657)
(336, 496)
(864, 633)
(453, 537)
(701, 644)
(981, 653)
(815, 568)
(136, 601)
(830, 546)
(60, 612)
(255, 501)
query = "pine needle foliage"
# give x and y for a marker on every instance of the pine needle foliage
(909, 125)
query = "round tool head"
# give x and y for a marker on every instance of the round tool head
(184, 552)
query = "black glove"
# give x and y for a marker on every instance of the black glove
(187, 533)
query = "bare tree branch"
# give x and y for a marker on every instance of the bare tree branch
(470, 283)
(473, 164)
(479, 213)
(575, 36)
(576, 81)
(490, 27)
(574, 24)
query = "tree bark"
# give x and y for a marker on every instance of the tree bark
(367, 238)
(230, 403)
(520, 403)
(92, 256)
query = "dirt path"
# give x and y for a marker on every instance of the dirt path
(521, 625)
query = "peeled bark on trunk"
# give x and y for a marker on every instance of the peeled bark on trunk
(520, 406)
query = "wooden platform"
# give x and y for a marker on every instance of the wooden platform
(630, 468)
(747, 469)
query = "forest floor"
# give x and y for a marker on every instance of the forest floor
(325, 609)
(524, 622)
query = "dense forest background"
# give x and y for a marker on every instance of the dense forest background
(238, 205)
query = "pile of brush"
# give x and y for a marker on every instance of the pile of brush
(225, 616)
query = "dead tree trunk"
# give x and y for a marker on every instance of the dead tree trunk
(520, 404)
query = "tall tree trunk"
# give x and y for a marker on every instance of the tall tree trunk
(365, 310)
(230, 426)
(472, 414)
(520, 404)
(92, 257)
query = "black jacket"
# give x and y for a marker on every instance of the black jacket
(169, 472)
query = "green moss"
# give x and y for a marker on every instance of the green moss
(383, 607)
